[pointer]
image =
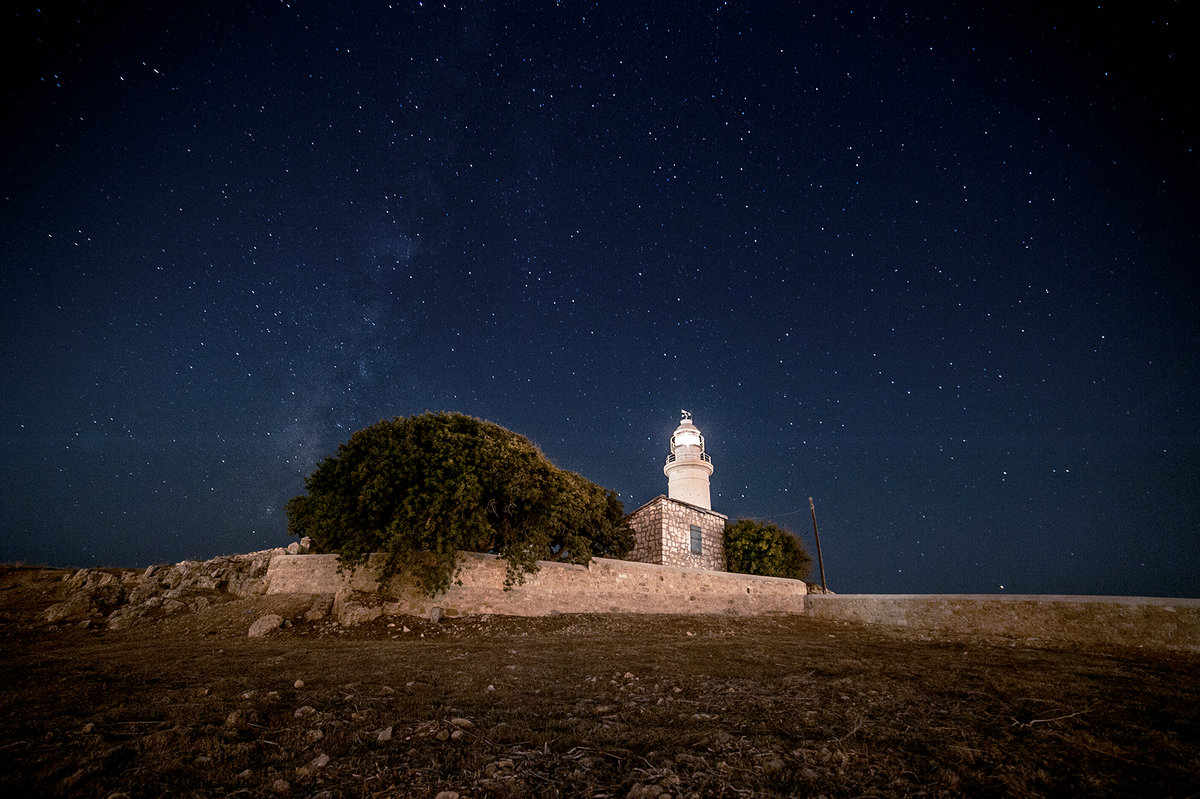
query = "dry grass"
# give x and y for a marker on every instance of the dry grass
(595, 706)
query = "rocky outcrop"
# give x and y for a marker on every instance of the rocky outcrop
(356, 607)
(120, 598)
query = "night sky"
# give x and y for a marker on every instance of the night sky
(932, 265)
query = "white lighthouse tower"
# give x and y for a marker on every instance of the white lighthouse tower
(688, 466)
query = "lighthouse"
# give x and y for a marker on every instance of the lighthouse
(688, 466)
(681, 528)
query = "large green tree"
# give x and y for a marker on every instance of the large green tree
(418, 489)
(755, 547)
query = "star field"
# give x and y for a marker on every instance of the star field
(933, 266)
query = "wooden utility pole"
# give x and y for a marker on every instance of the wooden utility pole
(816, 535)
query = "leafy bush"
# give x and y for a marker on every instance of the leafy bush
(421, 488)
(754, 547)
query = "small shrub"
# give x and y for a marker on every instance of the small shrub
(762, 548)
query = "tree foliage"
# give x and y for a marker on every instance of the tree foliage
(418, 489)
(755, 547)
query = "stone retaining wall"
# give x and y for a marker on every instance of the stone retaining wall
(605, 586)
(617, 586)
(1123, 621)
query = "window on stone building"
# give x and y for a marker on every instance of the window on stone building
(697, 542)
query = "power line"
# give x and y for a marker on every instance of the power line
(781, 515)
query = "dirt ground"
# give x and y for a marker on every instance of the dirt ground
(587, 706)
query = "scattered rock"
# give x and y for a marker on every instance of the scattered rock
(321, 607)
(265, 624)
(498, 768)
(446, 795)
(356, 607)
(298, 684)
(281, 787)
(237, 720)
(462, 723)
(384, 735)
(304, 712)
(354, 613)
(320, 761)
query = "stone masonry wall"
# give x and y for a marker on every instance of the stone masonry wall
(677, 540)
(1160, 623)
(604, 586)
(662, 534)
(614, 586)
(647, 524)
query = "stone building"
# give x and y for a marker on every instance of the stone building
(681, 528)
